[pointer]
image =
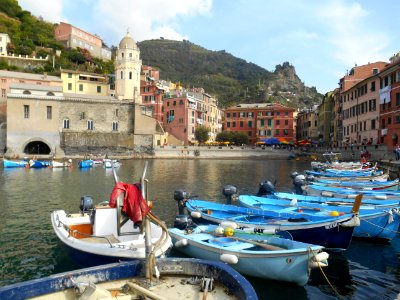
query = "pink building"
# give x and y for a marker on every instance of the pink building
(74, 37)
(182, 114)
(359, 93)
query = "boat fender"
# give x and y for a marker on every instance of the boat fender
(316, 264)
(351, 196)
(230, 224)
(321, 256)
(229, 258)
(181, 243)
(219, 231)
(326, 194)
(195, 214)
(381, 197)
(390, 218)
(353, 222)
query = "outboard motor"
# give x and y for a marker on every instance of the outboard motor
(230, 193)
(294, 174)
(181, 196)
(298, 182)
(183, 222)
(86, 204)
(310, 178)
(266, 188)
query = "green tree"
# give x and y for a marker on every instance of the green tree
(201, 134)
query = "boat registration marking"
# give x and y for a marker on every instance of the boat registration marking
(331, 225)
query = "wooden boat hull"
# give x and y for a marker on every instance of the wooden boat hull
(290, 263)
(329, 232)
(185, 267)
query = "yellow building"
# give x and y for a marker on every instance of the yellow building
(76, 82)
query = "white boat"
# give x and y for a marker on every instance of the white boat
(108, 163)
(58, 164)
(102, 233)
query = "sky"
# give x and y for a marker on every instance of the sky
(322, 39)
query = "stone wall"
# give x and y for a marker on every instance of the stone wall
(100, 144)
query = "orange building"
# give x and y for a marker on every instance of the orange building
(261, 121)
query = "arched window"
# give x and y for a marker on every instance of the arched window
(66, 123)
(90, 124)
(130, 75)
(115, 126)
(122, 75)
(122, 54)
(130, 54)
(26, 92)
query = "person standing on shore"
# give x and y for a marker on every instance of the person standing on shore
(397, 152)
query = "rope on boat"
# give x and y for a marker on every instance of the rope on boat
(323, 273)
(160, 243)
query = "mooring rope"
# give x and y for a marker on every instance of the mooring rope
(326, 277)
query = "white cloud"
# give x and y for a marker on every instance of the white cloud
(348, 30)
(146, 19)
(50, 10)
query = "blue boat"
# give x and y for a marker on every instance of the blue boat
(14, 163)
(355, 183)
(188, 277)
(309, 226)
(377, 223)
(88, 163)
(38, 164)
(257, 255)
(344, 173)
(328, 191)
(377, 203)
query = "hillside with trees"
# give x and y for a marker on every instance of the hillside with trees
(230, 79)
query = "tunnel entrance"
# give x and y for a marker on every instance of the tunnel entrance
(37, 147)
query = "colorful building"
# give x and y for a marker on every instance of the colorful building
(84, 83)
(74, 37)
(389, 103)
(261, 121)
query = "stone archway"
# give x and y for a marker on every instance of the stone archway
(37, 148)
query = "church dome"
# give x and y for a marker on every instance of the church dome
(127, 42)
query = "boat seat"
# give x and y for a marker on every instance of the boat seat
(201, 236)
(99, 240)
(230, 243)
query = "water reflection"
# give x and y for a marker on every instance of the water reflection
(29, 248)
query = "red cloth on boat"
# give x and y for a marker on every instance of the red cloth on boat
(134, 205)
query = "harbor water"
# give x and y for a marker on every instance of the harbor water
(29, 248)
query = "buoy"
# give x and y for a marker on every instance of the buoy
(316, 264)
(321, 256)
(219, 231)
(381, 197)
(334, 213)
(228, 231)
(352, 196)
(230, 224)
(195, 214)
(181, 243)
(229, 258)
